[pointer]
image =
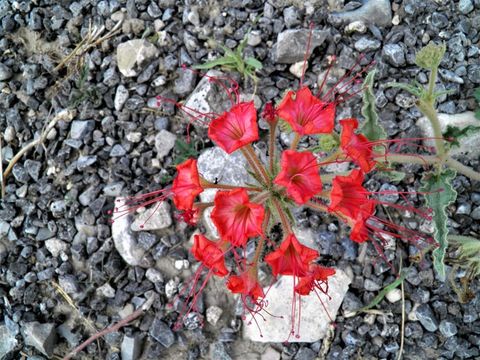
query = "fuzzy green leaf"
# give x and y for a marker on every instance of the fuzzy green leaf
(477, 114)
(476, 94)
(327, 142)
(440, 194)
(454, 134)
(371, 127)
(412, 89)
(430, 56)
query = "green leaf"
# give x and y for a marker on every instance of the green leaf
(430, 56)
(477, 114)
(217, 62)
(327, 142)
(439, 194)
(412, 89)
(250, 61)
(393, 175)
(371, 127)
(454, 134)
(376, 300)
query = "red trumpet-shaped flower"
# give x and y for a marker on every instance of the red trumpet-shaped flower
(210, 254)
(186, 185)
(349, 197)
(247, 285)
(305, 113)
(356, 146)
(299, 175)
(235, 128)
(291, 258)
(236, 218)
(317, 276)
(351, 200)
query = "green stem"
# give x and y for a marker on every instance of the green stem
(429, 111)
(295, 142)
(271, 146)
(317, 206)
(410, 159)
(429, 159)
(283, 218)
(462, 238)
(462, 169)
(254, 158)
(431, 85)
(330, 158)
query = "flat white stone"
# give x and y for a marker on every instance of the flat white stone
(314, 320)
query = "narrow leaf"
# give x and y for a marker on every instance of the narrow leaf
(412, 89)
(376, 300)
(371, 127)
(217, 62)
(250, 61)
(440, 194)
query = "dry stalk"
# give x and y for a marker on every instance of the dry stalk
(65, 115)
(91, 40)
(125, 321)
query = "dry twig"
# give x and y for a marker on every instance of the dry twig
(125, 321)
(65, 115)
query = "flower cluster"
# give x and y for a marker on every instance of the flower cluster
(289, 178)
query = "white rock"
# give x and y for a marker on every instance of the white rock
(270, 354)
(124, 240)
(133, 54)
(396, 20)
(106, 290)
(469, 145)
(213, 314)
(356, 26)
(297, 68)
(164, 143)
(215, 164)
(207, 97)
(314, 320)
(171, 288)
(154, 276)
(181, 264)
(156, 217)
(55, 246)
(121, 95)
(394, 295)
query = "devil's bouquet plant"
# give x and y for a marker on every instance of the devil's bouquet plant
(293, 177)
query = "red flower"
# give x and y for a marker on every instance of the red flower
(245, 284)
(210, 254)
(349, 197)
(307, 114)
(299, 175)
(351, 200)
(318, 276)
(235, 128)
(235, 217)
(186, 185)
(356, 146)
(291, 258)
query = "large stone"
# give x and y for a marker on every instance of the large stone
(133, 54)
(131, 347)
(41, 336)
(214, 164)
(377, 12)
(314, 319)
(125, 240)
(292, 44)
(7, 343)
(469, 145)
(156, 217)
(164, 143)
(207, 97)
